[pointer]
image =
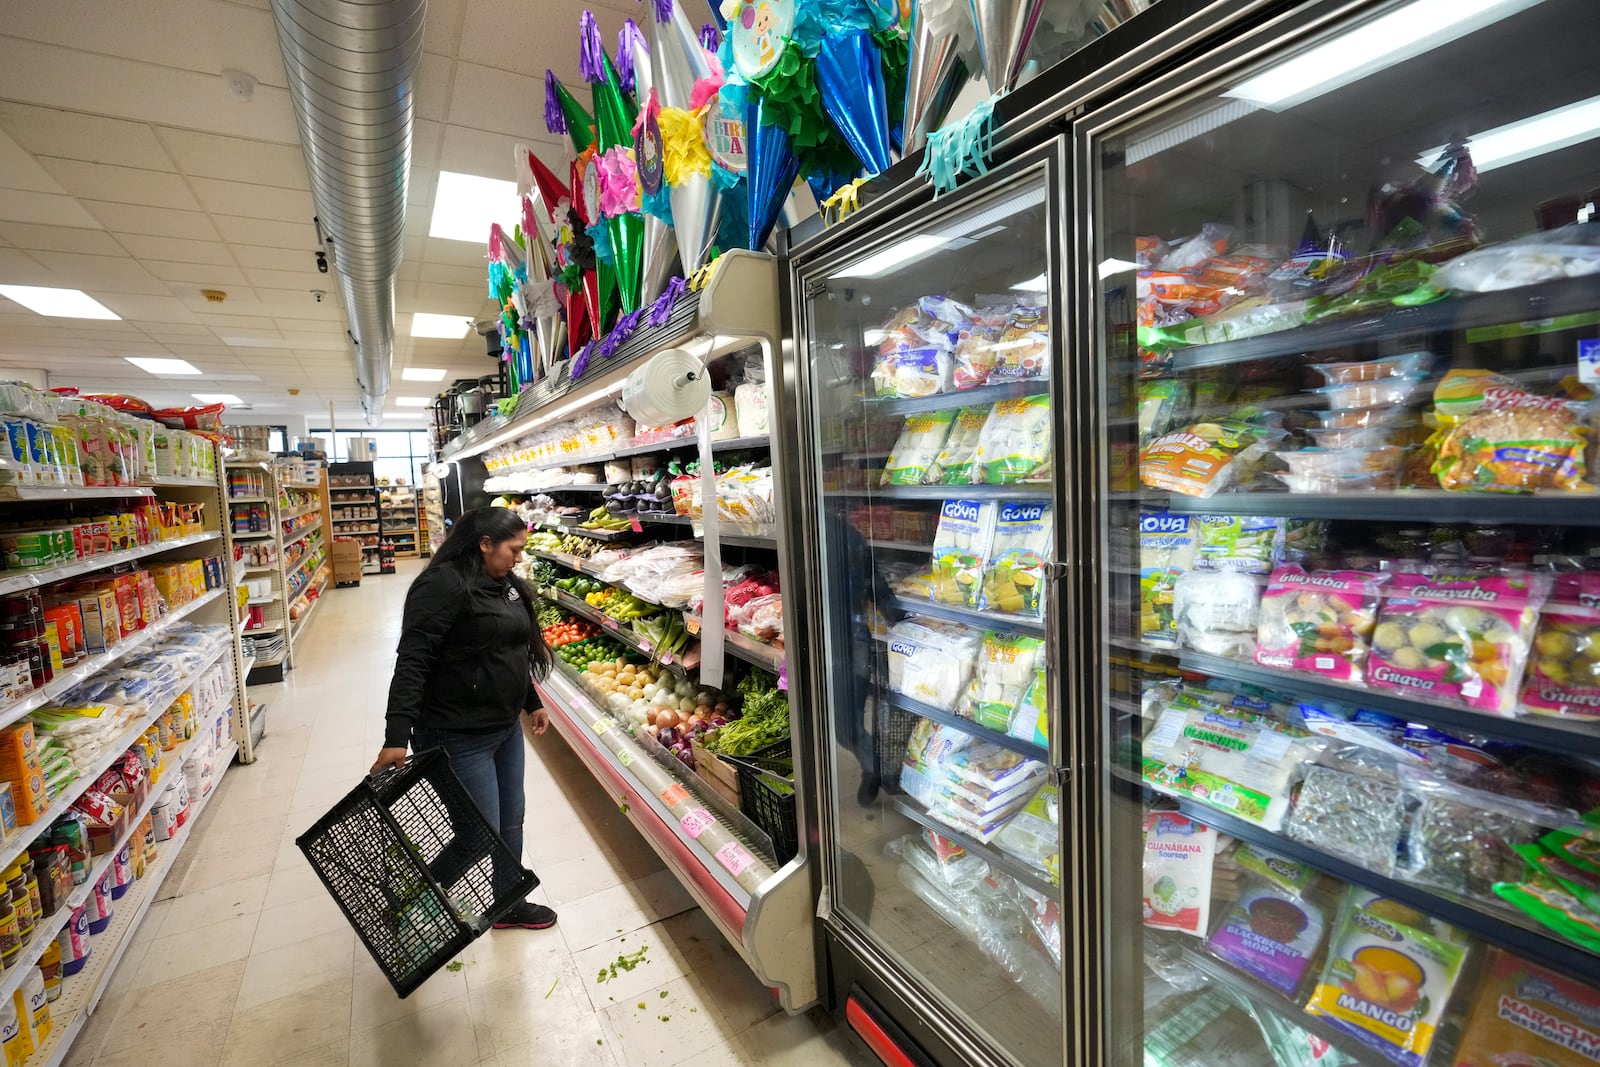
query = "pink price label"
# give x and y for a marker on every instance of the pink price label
(609, 623)
(734, 857)
(633, 524)
(783, 677)
(674, 795)
(695, 822)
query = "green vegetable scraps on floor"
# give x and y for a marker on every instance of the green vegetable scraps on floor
(663, 994)
(552, 988)
(641, 1005)
(453, 966)
(665, 1018)
(620, 964)
(623, 808)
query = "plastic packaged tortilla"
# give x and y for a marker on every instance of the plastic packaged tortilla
(1563, 677)
(1271, 935)
(975, 353)
(1023, 350)
(953, 465)
(961, 548)
(912, 372)
(931, 661)
(1319, 622)
(1162, 404)
(1178, 857)
(1386, 983)
(1166, 551)
(1356, 817)
(1006, 666)
(1216, 612)
(1032, 721)
(1205, 458)
(1247, 543)
(918, 446)
(1014, 577)
(1014, 445)
(1497, 437)
(1525, 1015)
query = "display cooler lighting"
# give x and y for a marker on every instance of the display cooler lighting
(1033, 285)
(1514, 142)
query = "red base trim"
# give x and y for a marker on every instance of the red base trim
(861, 1020)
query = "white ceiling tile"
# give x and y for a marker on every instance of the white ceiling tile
(433, 86)
(452, 275)
(221, 322)
(332, 339)
(46, 131)
(60, 239)
(19, 170)
(177, 250)
(206, 155)
(253, 201)
(269, 233)
(152, 221)
(207, 276)
(500, 34)
(456, 253)
(150, 308)
(425, 143)
(44, 208)
(442, 33)
(276, 258)
(109, 274)
(473, 151)
(304, 280)
(123, 185)
(297, 304)
(173, 331)
(498, 100)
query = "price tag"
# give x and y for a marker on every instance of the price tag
(735, 857)
(633, 524)
(625, 757)
(696, 821)
(1270, 747)
(601, 726)
(609, 623)
(674, 794)
(783, 676)
(1168, 729)
(691, 625)
(1589, 361)
(666, 657)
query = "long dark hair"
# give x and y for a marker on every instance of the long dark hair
(460, 552)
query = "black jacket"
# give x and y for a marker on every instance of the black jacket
(463, 658)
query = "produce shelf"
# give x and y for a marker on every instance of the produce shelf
(988, 620)
(1003, 861)
(1403, 505)
(673, 662)
(767, 657)
(298, 514)
(966, 725)
(33, 578)
(985, 394)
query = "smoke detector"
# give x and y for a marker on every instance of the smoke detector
(214, 296)
(241, 86)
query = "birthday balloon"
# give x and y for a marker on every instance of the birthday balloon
(850, 76)
(1005, 29)
(773, 168)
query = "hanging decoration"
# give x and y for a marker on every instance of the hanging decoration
(961, 149)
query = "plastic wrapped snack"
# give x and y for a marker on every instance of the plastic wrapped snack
(975, 346)
(1032, 719)
(1354, 816)
(1250, 544)
(1216, 612)
(1014, 445)
(953, 464)
(1524, 1014)
(1205, 458)
(1270, 934)
(1550, 255)
(1497, 437)
(917, 447)
(1166, 551)
(1006, 666)
(1458, 639)
(929, 746)
(1406, 365)
(1023, 350)
(1014, 577)
(1319, 622)
(1178, 856)
(931, 660)
(1563, 678)
(1034, 833)
(961, 548)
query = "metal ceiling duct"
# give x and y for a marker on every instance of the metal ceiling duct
(352, 67)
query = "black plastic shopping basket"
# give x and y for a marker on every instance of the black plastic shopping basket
(415, 867)
(766, 795)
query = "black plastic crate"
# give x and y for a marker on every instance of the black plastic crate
(893, 726)
(415, 867)
(766, 795)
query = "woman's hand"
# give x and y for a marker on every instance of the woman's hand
(539, 720)
(389, 757)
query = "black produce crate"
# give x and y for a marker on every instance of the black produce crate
(892, 727)
(415, 867)
(766, 795)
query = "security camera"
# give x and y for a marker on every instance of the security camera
(322, 262)
(319, 294)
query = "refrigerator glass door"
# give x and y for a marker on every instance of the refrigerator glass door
(1352, 548)
(929, 365)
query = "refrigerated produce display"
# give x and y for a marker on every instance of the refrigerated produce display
(1349, 666)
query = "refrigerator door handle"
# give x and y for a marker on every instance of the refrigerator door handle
(1063, 777)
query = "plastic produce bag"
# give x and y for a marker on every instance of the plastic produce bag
(961, 547)
(1034, 833)
(1549, 255)
(1032, 721)
(931, 660)
(958, 873)
(1319, 622)
(1006, 666)
(1014, 445)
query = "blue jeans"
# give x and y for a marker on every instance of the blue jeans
(490, 768)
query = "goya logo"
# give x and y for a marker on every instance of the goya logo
(1163, 523)
(965, 510)
(903, 648)
(1022, 513)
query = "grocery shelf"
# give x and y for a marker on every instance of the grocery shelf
(1401, 505)
(1548, 734)
(268, 568)
(966, 725)
(248, 500)
(66, 680)
(297, 625)
(1548, 300)
(354, 533)
(1032, 877)
(307, 558)
(33, 578)
(298, 514)
(900, 546)
(988, 620)
(767, 657)
(743, 540)
(673, 662)
(984, 394)
(676, 444)
(75, 492)
(302, 534)
(251, 535)
(950, 492)
(179, 480)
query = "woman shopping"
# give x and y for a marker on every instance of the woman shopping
(469, 653)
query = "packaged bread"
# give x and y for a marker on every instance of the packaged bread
(1495, 436)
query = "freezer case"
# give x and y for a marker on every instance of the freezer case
(924, 378)
(1344, 300)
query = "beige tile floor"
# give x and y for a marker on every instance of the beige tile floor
(245, 962)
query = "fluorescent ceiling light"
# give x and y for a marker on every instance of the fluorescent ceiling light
(58, 303)
(411, 401)
(1032, 285)
(907, 251)
(422, 374)
(871, 337)
(1109, 267)
(163, 367)
(1514, 142)
(425, 324)
(465, 205)
(217, 398)
(1375, 45)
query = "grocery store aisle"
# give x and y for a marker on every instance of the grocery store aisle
(246, 962)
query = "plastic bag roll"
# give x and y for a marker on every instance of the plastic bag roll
(672, 386)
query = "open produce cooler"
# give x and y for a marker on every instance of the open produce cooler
(1345, 650)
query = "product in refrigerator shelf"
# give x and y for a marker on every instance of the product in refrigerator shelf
(1464, 840)
(1558, 904)
(1386, 983)
(927, 749)
(1247, 543)
(961, 547)
(1271, 935)
(1549, 255)
(953, 465)
(1031, 722)
(931, 660)
(1241, 762)
(1166, 552)
(1207, 457)
(1525, 1016)
(1458, 638)
(1023, 351)
(1006, 666)
(1318, 621)
(1014, 444)
(751, 409)
(1216, 612)
(913, 455)
(979, 788)
(1178, 857)
(912, 372)
(1406, 365)
(975, 346)
(960, 872)
(1014, 578)
(1496, 437)
(1380, 290)
(1368, 729)
(1563, 677)
(1358, 817)
(1034, 833)
(1162, 404)
(1284, 874)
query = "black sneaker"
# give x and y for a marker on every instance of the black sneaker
(526, 916)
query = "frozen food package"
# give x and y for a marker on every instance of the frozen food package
(1405, 365)
(1023, 350)
(931, 660)
(1280, 872)
(1563, 677)
(1166, 552)
(961, 548)
(975, 352)
(1216, 612)
(1496, 437)
(927, 749)
(1569, 905)
(1214, 239)
(960, 873)
(1178, 857)
(1162, 405)
(1465, 840)
(918, 445)
(1270, 934)
(1386, 982)
(1319, 622)
(1006, 666)
(1247, 543)
(1034, 833)
(1549, 255)
(1019, 559)
(1523, 1014)
(1205, 458)
(1014, 444)
(1032, 720)
(911, 372)
(953, 465)
(1241, 762)
(1460, 639)
(1358, 817)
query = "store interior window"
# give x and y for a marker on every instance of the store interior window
(402, 454)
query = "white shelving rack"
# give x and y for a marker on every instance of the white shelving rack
(398, 508)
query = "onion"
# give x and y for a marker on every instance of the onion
(716, 722)
(702, 710)
(702, 697)
(668, 737)
(651, 729)
(666, 718)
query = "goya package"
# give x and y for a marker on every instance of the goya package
(953, 464)
(961, 547)
(1205, 458)
(1526, 1015)
(917, 448)
(1006, 666)
(1387, 982)
(1462, 639)
(1247, 543)
(1178, 857)
(1319, 622)
(1272, 935)
(1497, 437)
(1014, 578)
(1166, 552)
(931, 660)
(1014, 445)
(1563, 677)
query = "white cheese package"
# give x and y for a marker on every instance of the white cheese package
(931, 660)
(1216, 612)
(915, 450)
(961, 547)
(929, 746)
(750, 409)
(1166, 552)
